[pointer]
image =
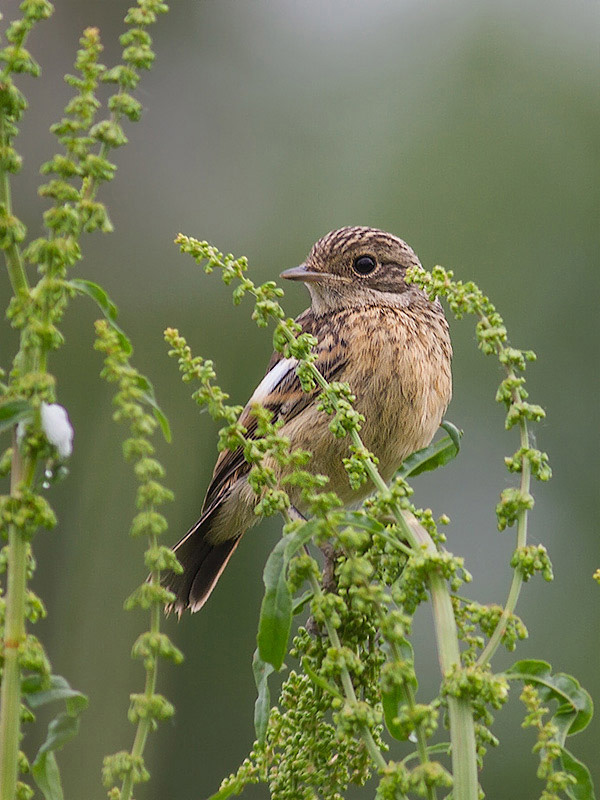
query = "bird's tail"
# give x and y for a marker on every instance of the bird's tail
(202, 564)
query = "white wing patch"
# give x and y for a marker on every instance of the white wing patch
(272, 379)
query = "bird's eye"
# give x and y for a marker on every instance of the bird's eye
(364, 265)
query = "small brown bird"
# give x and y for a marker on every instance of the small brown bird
(375, 332)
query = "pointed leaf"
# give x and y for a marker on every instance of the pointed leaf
(58, 689)
(106, 306)
(62, 728)
(300, 602)
(437, 454)
(359, 519)
(391, 701)
(432, 750)
(321, 682)
(584, 787)
(453, 432)
(262, 707)
(299, 538)
(575, 706)
(276, 609)
(47, 776)
(149, 398)
(396, 696)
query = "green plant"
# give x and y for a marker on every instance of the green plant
(42, 435)
(381, 563)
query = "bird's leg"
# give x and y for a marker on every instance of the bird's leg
(330, 556)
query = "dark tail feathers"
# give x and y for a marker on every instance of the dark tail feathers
(202, 564)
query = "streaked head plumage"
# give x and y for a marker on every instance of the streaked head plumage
(355, 264)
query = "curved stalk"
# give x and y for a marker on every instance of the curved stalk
(517, 579)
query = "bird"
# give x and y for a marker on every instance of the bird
(375, 331)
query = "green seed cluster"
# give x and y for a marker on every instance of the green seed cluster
(531, 559)
(147, 708)
(467, 298)
(265, 442)
(485, 618)
(558, 781)
(36, 311)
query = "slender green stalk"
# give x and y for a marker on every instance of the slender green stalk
(22, 472)
(419, 730)
(462, 729)
(145, 723)
(14, 636)
(517, 579)
(12, 254)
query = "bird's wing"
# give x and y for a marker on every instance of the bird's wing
(281, 393)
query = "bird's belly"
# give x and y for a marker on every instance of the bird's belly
(396, 425)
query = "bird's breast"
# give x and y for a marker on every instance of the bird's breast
(397, 363)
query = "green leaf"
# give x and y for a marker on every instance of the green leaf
(437, 454)
(453, 432)
(300, 602)
(575, 706)
(584, 787)
(148, 396)
(61, 729)
(106, 306)
(391, 701)
(235, 786)
(13, 411)
(262, 707)
(359, 519)
(277, 608)
(395, 697)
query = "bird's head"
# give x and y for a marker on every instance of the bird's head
(356, 266)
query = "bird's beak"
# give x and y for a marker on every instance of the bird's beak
(301, 273)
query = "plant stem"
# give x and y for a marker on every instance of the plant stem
(419, 729)
(517, 579)
(14, 636)
(144, 724)
(22, 473)
(462, 729)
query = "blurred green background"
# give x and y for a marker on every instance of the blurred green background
(468, 128)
